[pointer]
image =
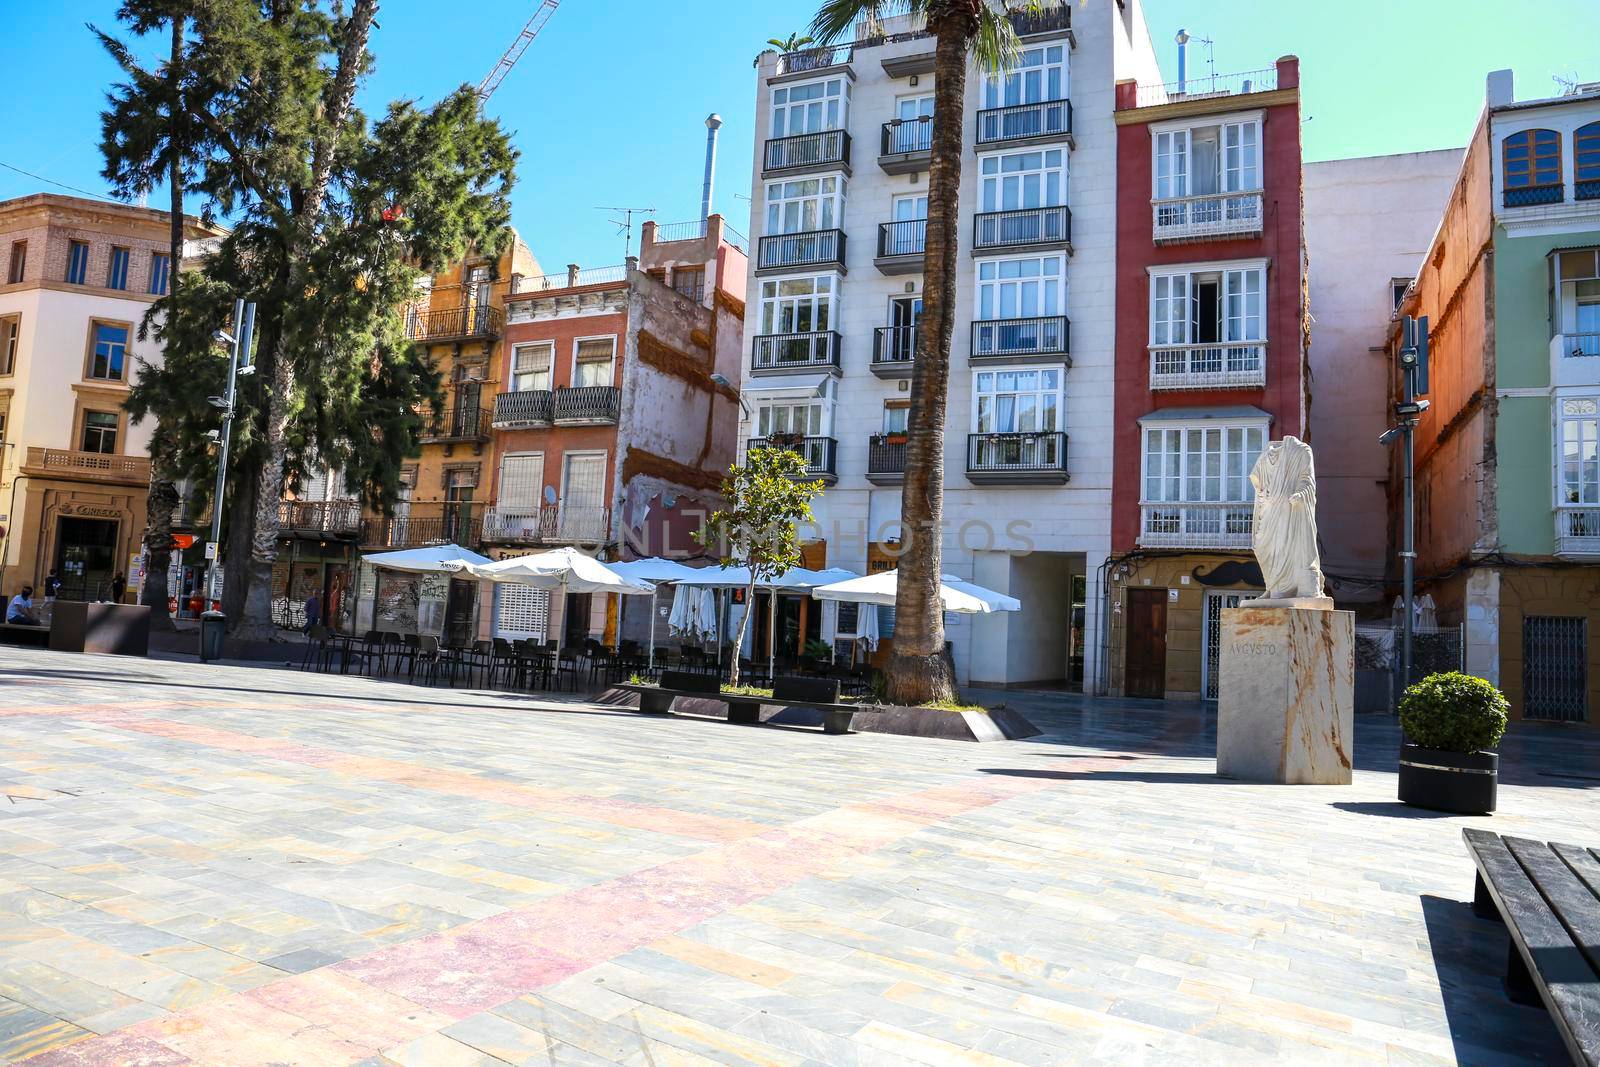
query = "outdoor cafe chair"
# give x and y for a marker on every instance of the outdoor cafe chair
(319, 648)
(567, 663)
(533, 665)
(429, 656)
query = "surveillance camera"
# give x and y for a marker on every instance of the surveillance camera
(214, 436)
(245, 372)
(224, 337)
(1388, 436)
(218, 402)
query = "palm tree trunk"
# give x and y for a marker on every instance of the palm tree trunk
(919, 671)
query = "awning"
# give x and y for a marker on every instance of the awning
(795, 387)
(1232, 413)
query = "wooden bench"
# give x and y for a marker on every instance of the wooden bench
(12, 633)
(819, 693)
(1548, 896)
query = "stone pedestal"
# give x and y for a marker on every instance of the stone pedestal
(1286, 695)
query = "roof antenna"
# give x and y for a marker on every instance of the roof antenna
(624, 225)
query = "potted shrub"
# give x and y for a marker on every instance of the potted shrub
(1452, 723)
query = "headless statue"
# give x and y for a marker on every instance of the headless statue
(1285, 533)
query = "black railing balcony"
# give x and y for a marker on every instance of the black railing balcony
(908, 238)
(450, 324)
(1528, 195)
(1044, 20)
(820, 453)
(827, 148)
(450, 524)
(904, 137)
(1039, 456)
(1023, 227)
(587, 405)
(809, 249)
(1586, 190)
(524, 408)
(772, 352)
(1045, 336)
(334, 517)
(886, 459)
(893, 349)
(546, 524)
(1020, 122)
(459, 424)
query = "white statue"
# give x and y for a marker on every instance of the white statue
(1285, 534)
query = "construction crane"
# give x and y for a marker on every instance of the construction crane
(530, 30)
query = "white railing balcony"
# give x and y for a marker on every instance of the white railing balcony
(1187, 525)
(1236, 365)
(1188, 218)
(1578, 532)
(1575, 345)
(546, 524)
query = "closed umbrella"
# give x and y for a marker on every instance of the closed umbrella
(658, 570)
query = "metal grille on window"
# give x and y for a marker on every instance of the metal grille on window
(1555, 679)
(521, 612)
(1215, 602)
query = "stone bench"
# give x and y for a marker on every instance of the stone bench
(13, 633)
(1548, 897)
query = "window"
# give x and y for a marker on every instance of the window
(1398, 288)
(583, 495)
(77, 262)
(1022, 400)
(100, 431)
(117, 272)
(895, 414)
(805, 204)
(1039, 74)
(594, 361)
(1580, 464)
(1021, 180)
(803, 418)
(1586, 160)
(1021, 288)
(690, 282)
(810, 107)
(521, 481)
(1201, 464)
(1205, 307)
(1532, 158)
(530, 366)
(110, 351)
(10, 337)
(1575, 296)
(797, 305)
(160, 271)
(1204, 160)
(19, 262)
(1586, 306)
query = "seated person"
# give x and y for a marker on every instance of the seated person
(20, 612)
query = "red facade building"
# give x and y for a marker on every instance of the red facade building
(1211, 342)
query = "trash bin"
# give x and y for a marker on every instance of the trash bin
(213, 627)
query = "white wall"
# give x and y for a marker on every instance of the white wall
(1367, 220)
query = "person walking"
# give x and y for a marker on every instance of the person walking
(20, 610)
(119, 588)
(52, 586)
(313, 610)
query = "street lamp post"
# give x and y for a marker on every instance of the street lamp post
(1414, 372)
(244, 323)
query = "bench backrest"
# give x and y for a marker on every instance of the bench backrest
(819, 690)
(689, 682)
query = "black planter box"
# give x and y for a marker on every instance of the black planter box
(1460, 782)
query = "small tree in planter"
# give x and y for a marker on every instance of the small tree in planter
(1452, 723)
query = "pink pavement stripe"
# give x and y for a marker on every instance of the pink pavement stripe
(351, 1010)
(121, 1047)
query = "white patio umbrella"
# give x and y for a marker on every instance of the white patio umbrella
(657, 570)
(565, 569)
(793, 580)
(434, 559)
(955, 595)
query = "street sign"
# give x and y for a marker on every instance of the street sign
(211, 550)
(183, 540)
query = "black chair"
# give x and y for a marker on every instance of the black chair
(319, 648)
(428, 659)
(566, 663)
(533, 669)
(502, 657)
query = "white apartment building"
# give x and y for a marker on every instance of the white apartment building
(839, 198)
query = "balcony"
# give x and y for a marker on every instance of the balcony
(331, 518)
(828, 150)
(1211, 215)
(528, 409)
(1036, 340)
(1032, 458)
(886, 459)
(1578, 532)
(1024, 230)
(1046, 122)
(820, 453)
(72, 465)
(548, 524)
(780, 353)
(1210, 525)
(422, 525)
(455, 324)
(588, 405)
(906, 146)
(1532, 195)
(813, 248)
(1575, 345)
(1586, 190)
(1224, 366)
(1032, 23)
(457, 426)
(893, 350)
(809, 60)
(900, 246)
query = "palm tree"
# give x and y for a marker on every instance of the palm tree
(919, 670)
(793, 43)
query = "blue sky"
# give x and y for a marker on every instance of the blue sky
(608, 105)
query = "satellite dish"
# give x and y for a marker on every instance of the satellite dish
(549, 494)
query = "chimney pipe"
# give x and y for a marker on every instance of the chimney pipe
(1183, 59)
(713, 123)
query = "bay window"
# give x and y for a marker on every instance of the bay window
(1208, 327)
(805, 204)
(1023, 180)
(1039, 75)
(1017, 400)
(810, 107)
(1196, 483)
(1575, 304)
(1578, 475)
(1206, 180)
(798, 305)
(1020, 307)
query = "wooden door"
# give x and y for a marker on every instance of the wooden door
(1145, 669)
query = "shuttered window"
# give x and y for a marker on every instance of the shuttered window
(594, 361)
(521, 478)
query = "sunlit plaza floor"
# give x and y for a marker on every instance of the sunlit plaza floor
(233, 865)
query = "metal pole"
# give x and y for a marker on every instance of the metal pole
(243, 323)
(1408, 557)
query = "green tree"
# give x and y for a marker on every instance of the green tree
(766, 498)
(792, 43)
(964, 30)
(335, 220)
